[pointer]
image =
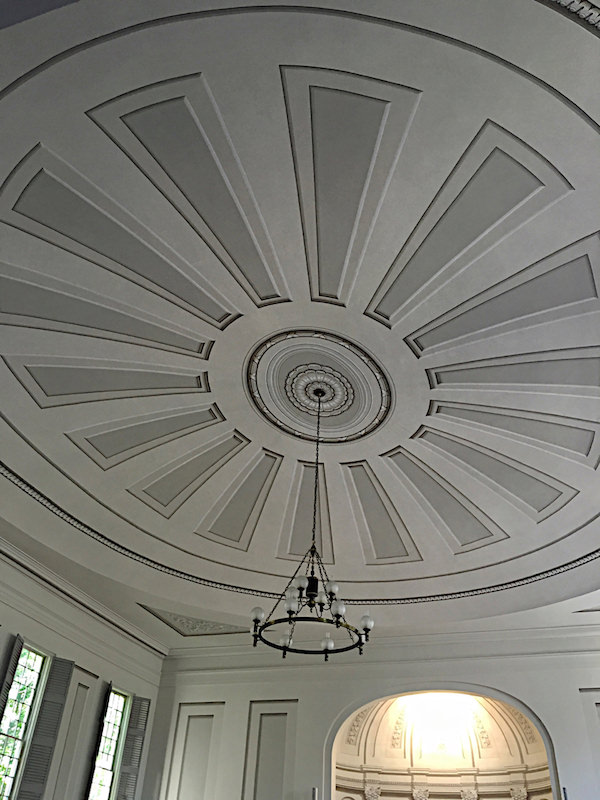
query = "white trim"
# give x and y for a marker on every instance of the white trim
(101, 638)
(76, 597)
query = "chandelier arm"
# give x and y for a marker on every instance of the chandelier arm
(292, 629)
(298, 568)
(324, 578)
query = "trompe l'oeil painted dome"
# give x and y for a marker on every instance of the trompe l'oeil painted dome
(444, 744)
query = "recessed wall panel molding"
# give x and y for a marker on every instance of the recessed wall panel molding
(270, 750)
(75, 743)
(235, 515)
(347, 132)
(31, 299)
(296, 530)
(195, 752)
(537, 494)
(553, 433)
(116, 441)
(459, 522)
(563, 285)
(570, 371)
(174, 132)
(57, 381)
(498, 185)
(169, 487)
(47, 198)
(384, 536)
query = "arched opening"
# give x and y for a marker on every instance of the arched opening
(440, 745)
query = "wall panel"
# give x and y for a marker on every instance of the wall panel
(196, 747)
(270, 750)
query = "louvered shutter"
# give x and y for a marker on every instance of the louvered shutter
(11, 668)
(45, 733)
(132, 749)
(97, 740)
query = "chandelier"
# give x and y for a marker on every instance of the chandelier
(310, 600)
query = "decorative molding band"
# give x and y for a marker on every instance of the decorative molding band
(186, 576)
(582, 11)
(192, 626)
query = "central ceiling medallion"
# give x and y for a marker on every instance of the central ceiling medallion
(289, 373)
(302, 383)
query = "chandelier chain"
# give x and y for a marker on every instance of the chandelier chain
(316, 486)
(310, 597)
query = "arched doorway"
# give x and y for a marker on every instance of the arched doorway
(440, 746)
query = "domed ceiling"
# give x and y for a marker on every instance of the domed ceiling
(206, 215)
(440, 744)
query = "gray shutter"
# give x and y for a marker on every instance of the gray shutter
(132, 750)
(97, 740)
(11, 668)
(45, 733)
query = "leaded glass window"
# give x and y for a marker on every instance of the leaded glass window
(108, 751)
(17, 717)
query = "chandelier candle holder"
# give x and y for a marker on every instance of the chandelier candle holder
(310, 601)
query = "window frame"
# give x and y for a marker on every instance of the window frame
(38, 696)
(122, 735)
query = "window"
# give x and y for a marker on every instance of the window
(18, 716)
(106, 765)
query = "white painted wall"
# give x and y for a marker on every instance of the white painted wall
(47, 614)
(556, 680)
(234, 722)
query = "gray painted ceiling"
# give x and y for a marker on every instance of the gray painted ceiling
(406, 205)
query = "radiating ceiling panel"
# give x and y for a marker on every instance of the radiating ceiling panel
(49, 199)
(175, 133)
(234, 517)
(458, 522)
(498, 184)
(541, 429)
(563, 285)
(566, 370)
(111, 443)
(55, 381)
(29, 298)
(346, 133)
(13, 13)
(540, 494)
(384, 535)
(169, 487)
(296, 532)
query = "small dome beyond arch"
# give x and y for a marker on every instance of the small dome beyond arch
(440, 745)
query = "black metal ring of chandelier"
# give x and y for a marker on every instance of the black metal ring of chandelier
(353, 631)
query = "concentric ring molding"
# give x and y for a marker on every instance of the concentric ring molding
(283, 371)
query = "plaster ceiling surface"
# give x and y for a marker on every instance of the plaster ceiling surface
(205, 212)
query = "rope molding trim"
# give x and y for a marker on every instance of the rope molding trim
(45, 501)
